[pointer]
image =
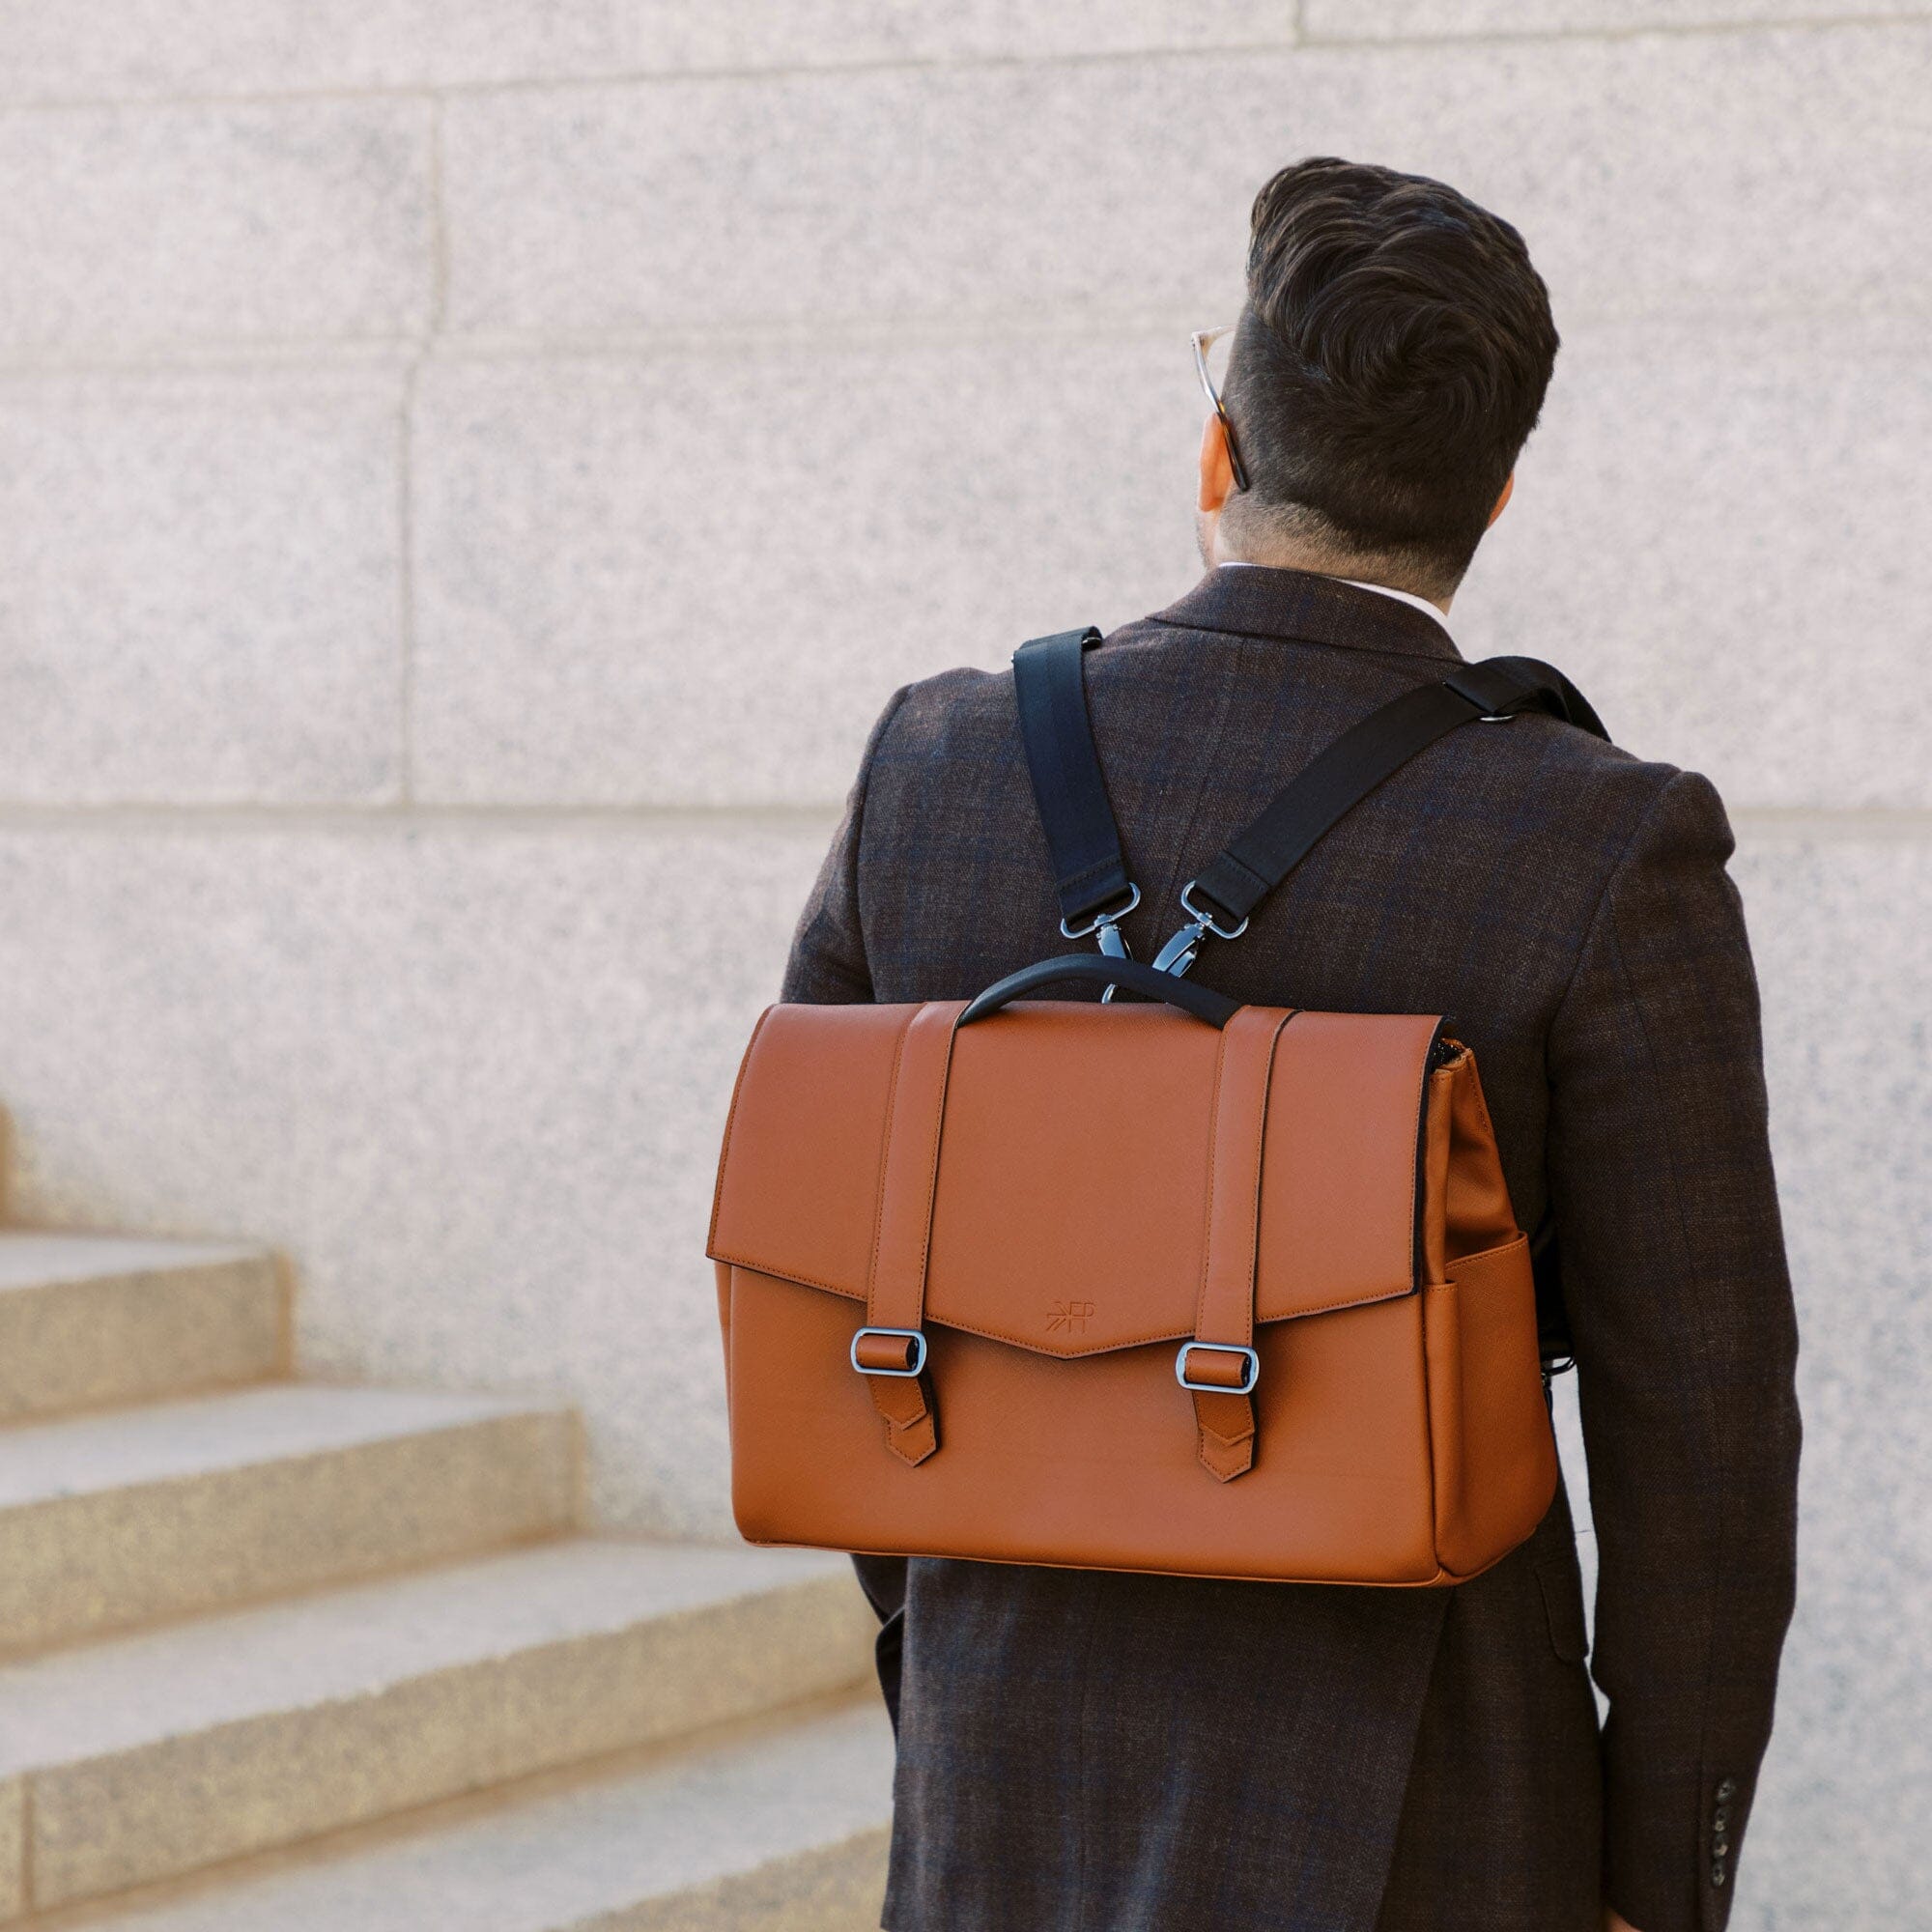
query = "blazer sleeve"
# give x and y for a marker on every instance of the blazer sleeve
(828, 967)
(1681, 1313)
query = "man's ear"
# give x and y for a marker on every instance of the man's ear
(1502, 503)
(1217, 473)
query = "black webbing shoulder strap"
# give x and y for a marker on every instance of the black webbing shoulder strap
(1083, 837)
(1256, 860)
(1090, 869)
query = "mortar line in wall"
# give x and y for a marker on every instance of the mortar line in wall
(870, 332)
(406, 586)
(1667, 30)
(220, 354)
(406, 476)
(393, 817)
(349, 92)
(1906, 824)
(439, 236)
(341, 95)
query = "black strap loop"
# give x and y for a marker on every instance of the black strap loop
(1501, 687)
(1090, 869)
(1203, 1002)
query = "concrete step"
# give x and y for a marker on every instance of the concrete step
(87, 1320)
(112, 1520)
(147, 1756)
(779, 1830)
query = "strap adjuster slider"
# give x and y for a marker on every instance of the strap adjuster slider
(1251, 1368)
(917, 1353)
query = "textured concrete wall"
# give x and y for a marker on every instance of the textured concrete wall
(470, 474)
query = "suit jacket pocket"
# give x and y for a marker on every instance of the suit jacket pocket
(1563, 1605)
(888, 1654)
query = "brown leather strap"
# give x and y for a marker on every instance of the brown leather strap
(895, 1288)
(1225, 1318)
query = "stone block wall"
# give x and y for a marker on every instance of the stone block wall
(470, 473)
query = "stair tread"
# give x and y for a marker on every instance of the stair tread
(33, 1257)
(119, 1693)
(161, 1441)
(568, 1858)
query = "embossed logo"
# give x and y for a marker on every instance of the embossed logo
(1070, 1316)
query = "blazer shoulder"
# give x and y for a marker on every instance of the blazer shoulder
(940, 713)
(1599, 776)
(953, 707)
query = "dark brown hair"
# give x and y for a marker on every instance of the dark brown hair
(1390, 362)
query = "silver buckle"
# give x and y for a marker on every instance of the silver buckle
(1206, 919)
(1107, 918)
(911, 1335)
(1251, 1362)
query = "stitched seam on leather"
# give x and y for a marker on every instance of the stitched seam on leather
(1165, 1334)
(1261, 1166)
(1469, 1071)
(885, 1157)
(1481, 1255)
(1422, 1305)
(732, 1121)
(1348, 1301)
(779, 1273)
(1213, 1141)
(932, 1174)
(1421, 1136)
(1427, 1426)
(1112, 1566)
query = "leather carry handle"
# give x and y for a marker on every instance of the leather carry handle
(1190, 995)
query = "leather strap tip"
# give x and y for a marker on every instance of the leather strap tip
(905, 1405)
(1223, 1459)
(913, 1446)
(1224, 1434)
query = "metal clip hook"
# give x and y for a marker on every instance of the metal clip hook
(1113, 943)
(1182, 951)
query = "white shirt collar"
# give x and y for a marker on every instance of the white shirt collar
(1422, 603)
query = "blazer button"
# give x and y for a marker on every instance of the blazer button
(1720, 1817)
(1727, 1789)
(1718, 1875)
(1721, 1849)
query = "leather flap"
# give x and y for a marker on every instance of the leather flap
(1070, 1210)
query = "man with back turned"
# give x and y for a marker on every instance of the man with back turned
(1140, 1753)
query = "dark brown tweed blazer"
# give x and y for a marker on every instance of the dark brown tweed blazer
(1091, 1752)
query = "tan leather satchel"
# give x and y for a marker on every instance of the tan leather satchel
(1188, 1287)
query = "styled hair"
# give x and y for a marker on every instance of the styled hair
(1389, 365)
